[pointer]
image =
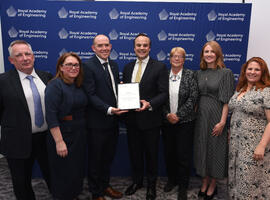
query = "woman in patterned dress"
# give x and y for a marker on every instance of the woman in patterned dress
(216, 86)
(249, 154)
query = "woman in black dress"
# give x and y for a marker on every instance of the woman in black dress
(65, 104)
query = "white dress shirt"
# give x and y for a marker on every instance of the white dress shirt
(174, 84)
(29, 98)
(109, 111)
(144, 64)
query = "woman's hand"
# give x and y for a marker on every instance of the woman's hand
(217, 130)
(61, 149)
(172, 118)
(259, 152)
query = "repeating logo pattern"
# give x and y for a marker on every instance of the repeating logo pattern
(55, 28)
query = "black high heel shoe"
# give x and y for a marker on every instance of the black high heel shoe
(209, 197)
(202, 194)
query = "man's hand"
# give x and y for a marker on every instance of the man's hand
(117, 111)
(145, 105)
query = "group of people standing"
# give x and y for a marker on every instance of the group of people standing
(190, 108)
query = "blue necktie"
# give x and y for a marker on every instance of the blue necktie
(39, 119)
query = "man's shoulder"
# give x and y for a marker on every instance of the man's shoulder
(90, 63)
(156, 63)
(42, 73)
(8, 74)
(132, 63)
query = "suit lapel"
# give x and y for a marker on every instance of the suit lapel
(147, 71)
(18, 90)
(115, 75)
(182, 86)
(129, 72)
(42, 77)
(102, 71)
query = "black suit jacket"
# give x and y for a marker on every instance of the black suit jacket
(100, 94)
(16, 127)
(154, 89)
(187, 97)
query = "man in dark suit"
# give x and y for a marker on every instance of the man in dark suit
(23, 137)
(143, 124)
(101, 77)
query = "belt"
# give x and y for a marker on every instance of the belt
(74, 116)
(67, 118)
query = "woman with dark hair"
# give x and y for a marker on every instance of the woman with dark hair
(249, 153)
(65, 104)
(216, 85)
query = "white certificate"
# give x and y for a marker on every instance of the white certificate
(128, 96)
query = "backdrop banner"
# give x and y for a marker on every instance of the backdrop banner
(55, 27)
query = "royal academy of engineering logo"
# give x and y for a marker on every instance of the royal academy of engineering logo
(163, 15)
(12, 32)
(63, 34)
(113, 55)
(162, 35)
(114, 14)
(11, 11)
(113, 35)
(62, 13)
(210, 36)
(212, 15)
(161, 56)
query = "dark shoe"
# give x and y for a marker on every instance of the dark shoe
(99, 198)
(110, 192)
(209, 197)
(151, 193)
(182, 193)
(202, 194)
(133, 188)
(169, 186)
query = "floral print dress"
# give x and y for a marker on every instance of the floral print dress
(248, 179)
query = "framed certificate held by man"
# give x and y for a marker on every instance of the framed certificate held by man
(128, 96)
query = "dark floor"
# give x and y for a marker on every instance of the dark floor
(120, 183)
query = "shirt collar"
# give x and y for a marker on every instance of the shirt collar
(101, 60)
(23, 75)
(144, 60)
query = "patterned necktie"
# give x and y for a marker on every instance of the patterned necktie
(139, 72)
(108, 76)
(39, 119)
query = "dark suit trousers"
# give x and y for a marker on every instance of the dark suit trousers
(143, 146)
(178, 140)
(101, 151)
(21, 169)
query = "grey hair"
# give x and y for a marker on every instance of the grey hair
(18, 42)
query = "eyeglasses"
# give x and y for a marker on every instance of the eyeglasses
(176, 56)
(70, 65)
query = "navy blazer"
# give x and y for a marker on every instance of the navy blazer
(100, 94)
(187, 97)
(154, 89)
(59, 98)
(15, 119)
